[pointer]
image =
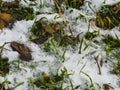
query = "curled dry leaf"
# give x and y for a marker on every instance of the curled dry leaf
(5, 19)
(40, 40)
(22, 50)
(42, 30)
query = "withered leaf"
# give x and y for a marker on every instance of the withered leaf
(40, 40)
(52, 27)
(2, 24)
(22, 50)
(43, 30)
(47, 28)
(5, 19)
(13, 3)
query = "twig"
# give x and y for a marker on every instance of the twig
(2, 47)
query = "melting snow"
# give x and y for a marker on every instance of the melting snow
(74, 62)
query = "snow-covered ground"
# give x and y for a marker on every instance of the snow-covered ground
(79, 65)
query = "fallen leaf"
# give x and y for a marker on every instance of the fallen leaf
(10, 4)
(52, 27)
(47, 28)
(5, 19)
(2, 24)
(22, 50)
(40, 40)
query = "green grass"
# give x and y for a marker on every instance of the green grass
(108, 16)
(74, 3)
(116, 70)
(3, 84)
(111, 42)
(1, 3)
(54, 81)
(115, 55)
(55, 39)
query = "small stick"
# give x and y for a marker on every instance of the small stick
(2, 47)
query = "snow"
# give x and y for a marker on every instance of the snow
(74, 62)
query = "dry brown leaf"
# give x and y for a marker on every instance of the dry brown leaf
(52, 27)
(10, 4)
(47, 28)
(2, 24)
(22, 50)
(56, 26)
(5, 19)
